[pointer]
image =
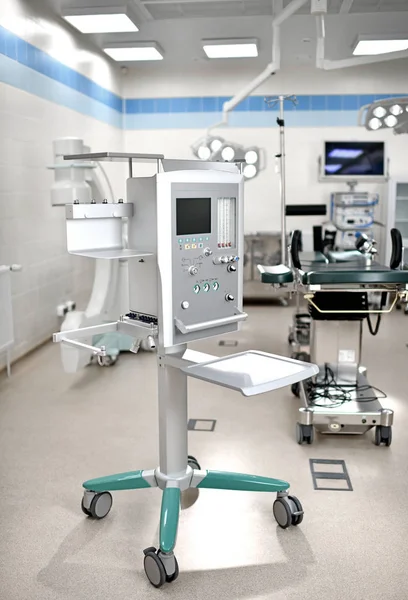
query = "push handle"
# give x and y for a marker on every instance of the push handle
(295, 248)
(241, 316)
(396, 253)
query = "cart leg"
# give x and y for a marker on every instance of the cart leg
(224, 480)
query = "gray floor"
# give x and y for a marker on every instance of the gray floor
(57, 430)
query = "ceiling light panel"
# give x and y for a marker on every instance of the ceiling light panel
(373, 47)
(236, 48)
(131, 53)
(110, 23)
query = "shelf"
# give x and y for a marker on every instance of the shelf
(252, 372)
(401, 221)
(114, 156)
(402, 198)
(113, 253)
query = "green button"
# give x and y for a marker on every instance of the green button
(207, 238)
(180, 240)
(196, 289)
(193, 240)
(187, 239)
(200, 239)
(215, 285)
(206, 287)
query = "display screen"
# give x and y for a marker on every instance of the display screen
(193, 215)
(356, 159)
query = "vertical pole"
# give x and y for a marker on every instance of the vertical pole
(130, 168)
(172, 417)
(282, 180)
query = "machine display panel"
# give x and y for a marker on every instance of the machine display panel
(193, 216)
(357, 159)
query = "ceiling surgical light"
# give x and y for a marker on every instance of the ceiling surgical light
(379, 112)
(390, 121)
(251, 157)
(250, 171)
(216, 144)
(374, 123)
(204, 152)
(386, 112)
(396, 110)
(228, 153)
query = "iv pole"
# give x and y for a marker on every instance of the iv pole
(272, 102)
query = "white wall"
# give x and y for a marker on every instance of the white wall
(32, 232)
(303, 144)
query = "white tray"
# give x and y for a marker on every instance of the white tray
(253, 372)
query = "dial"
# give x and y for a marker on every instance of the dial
(206, 287)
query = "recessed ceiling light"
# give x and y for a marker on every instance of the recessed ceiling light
(372, 47)
(237, 48)
(134, 53)
(106, 23)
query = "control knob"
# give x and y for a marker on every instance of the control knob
(229, 298)
(193, 270)
(231, 268)
(207, 251)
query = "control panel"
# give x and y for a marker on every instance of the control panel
(206, 269)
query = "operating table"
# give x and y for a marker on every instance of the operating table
(339, 399)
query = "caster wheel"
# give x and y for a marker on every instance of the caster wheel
(107, 361)
(297, 519)
(155, 569)
(170, 578)
(304, 356)
(85, 510)
(398, 306)
(287, 511)
(383, 435)
(295, 388)
(100, 505)
(193, 462)
(304, 433)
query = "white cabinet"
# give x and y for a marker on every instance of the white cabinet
(397, 212)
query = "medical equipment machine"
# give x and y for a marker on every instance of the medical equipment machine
(352, 212)
(339, 400)
(78, 182)
(6, 313)
(185, 246)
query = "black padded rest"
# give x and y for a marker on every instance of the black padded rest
(277, 278)
(353, 273)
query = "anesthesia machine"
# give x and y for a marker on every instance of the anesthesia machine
(185, 243)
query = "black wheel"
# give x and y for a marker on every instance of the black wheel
(282, 512)
(297, 519)
(305, 356)
(304, 433)
(154, 568)
(101, 505)
(295, 388)
(85, 510)
(398, 306)
(170, 578)
(193, 462)
(383, 435)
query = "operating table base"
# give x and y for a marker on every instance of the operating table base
(356, 416)
(161, 565)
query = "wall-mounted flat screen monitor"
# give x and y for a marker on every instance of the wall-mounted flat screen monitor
(354, 159)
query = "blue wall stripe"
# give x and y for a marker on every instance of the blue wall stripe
(24, 78)
(200, 120)
(30, 56)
